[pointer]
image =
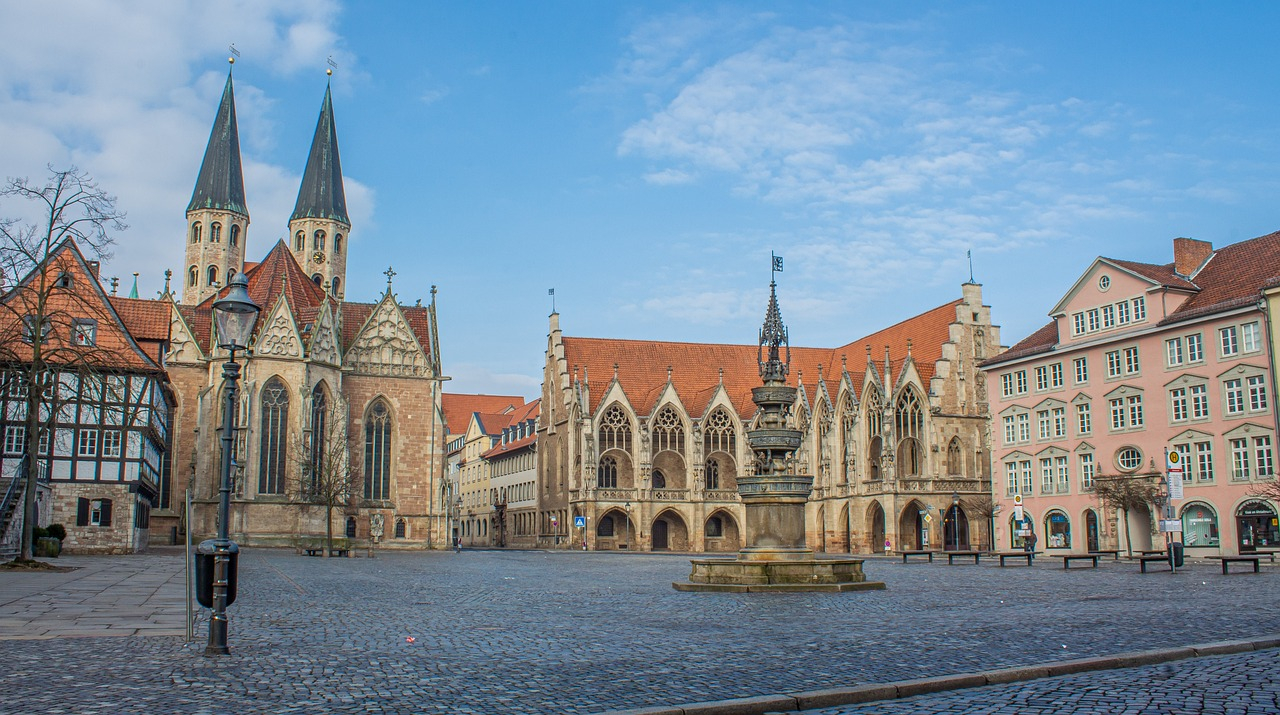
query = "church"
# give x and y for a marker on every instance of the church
(323, 372)
(641, 442)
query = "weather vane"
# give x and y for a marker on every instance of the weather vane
(332, 65)
(234, 53)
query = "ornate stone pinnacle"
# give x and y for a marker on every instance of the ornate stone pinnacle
(774, 336)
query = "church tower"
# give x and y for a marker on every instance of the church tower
(319, 225)
(217, 219)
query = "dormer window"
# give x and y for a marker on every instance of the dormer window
(63, 281)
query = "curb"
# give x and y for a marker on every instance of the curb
(833, 697)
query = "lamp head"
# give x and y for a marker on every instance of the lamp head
(235, 315)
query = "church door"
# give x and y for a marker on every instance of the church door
(660, 535)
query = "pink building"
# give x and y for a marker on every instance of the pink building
(1142, 358)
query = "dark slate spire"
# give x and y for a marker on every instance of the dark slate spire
(220, 185)
(321, 194)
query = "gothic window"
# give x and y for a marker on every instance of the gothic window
(668, 432)
(275, 430)
(319, 435)
(399, 528)
(712, 474)
(615, 430)
(299, 242)
(235, 235)
(193, 276)
(377, 452)
(195, 232)
(715, 527)
(873, 458)
(334, 289)
(659, 479)
(875, 441)
(605, 528)
(848, 438)
(337, 243)
(718, 434)
(607, 473)
(213, 276)
(317, 279)
(908, 420)
(215, 233)
(955, 458)
(318, 241)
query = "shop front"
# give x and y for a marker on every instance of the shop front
(1257, 526)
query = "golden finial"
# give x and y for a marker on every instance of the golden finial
(231, 60)
(329, 72)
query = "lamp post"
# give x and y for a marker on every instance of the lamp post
(955, 521)
(235, 315)
(457, 524)
(626, 541)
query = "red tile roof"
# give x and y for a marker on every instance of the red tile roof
(695, 367)
(1164, 275)
(504, 449)
(459, 407)
(1041, 341)
(145, 319)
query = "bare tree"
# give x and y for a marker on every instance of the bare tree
(50, 310)
(986, 507)
(321, 454)
(1266, 490)
(1129, 492)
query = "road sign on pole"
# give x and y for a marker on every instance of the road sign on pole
(579, 522)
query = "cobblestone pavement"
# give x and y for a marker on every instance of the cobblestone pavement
(573, 632)
(1237, 684)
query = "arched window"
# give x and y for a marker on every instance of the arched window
(607, 473)
(718, 434)
(668, 432)
(299, 242)
(1058, 529)
(659, 479)
(955, 457)
(715, 527)
(275, 433)
(337, 243)
(319, 437)
(235, 235)
(1199, 525)
(195, 232)
(334, 288)
(318, 241)
(848, 439)
(605, 527)
(231, 273)
(317, 279)
(377, 452)
(908, 418)
(711, 474)
(213, 276)
(351, 527)
(399, 528)
(193, 276)
(215, 233)
(615, 430)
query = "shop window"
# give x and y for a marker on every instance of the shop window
(1058, 528)
(1199, 525)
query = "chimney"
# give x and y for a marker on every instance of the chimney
(1189, 254)
(93, 268)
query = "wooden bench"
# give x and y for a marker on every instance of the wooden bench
(1264, 552)
(319, 551)
(1068, 558)
(917, 552)
(1151, 559)
(951, 556)
(1115, 553)
(1015, 555)
(1255, 559)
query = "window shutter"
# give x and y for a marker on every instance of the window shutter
(82, 512)
(106, 512)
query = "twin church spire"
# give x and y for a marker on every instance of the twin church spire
(218, 215)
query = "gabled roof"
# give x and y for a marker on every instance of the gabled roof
(1233, 277)
(1165, 275)
(1041, 341)
(220, 184)
(503, 449)
(321, 194)
(459, 407)
(695, 367)
(145, 319)
(491, 424)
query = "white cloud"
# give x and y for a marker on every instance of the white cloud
(128, 92)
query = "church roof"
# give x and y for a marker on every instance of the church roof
(321, 194)
(220, 184)
(695, 367)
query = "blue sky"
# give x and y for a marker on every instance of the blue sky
(644, 159)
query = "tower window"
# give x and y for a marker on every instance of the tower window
(318, 280)
(299, 242)
(213, 276)
(319, 241)
(235, 235)
(215, 233)
(192, 276)
(195, 232)
(337, 243)
(334, 290)
(231, 273)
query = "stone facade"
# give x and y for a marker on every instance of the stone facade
(646, 439)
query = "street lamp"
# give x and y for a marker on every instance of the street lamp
(235, 314)
(626, 541)
(955, 521)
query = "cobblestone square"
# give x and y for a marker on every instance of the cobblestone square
(570, 632)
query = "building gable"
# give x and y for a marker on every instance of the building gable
(386, 345)
(184, 347)
(279, 336)
(324, 340)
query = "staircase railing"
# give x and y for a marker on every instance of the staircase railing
(7, 505)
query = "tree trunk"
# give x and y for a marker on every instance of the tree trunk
(328, 529)
(1128, 536)
(31, 455)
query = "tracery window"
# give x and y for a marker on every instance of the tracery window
(875, 441)
(711, 474)
(668, 432)
(607, 473)
(319, 436)
(615, 430)
(718, 434)
(377, 452)
(275, 418)
(955, 457)
(909, 421)
(848, 439)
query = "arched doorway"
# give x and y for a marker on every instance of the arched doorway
(877, 527)
(844, 528)
(820, 537)
(660, 535)
(1020, 531)
(1140, 528)
(955, 529)
(720, 533)
(1057, 529)
(1256, 526)
(1091, 530)
(668, 532)
(912, 532)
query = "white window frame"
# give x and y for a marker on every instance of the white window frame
(1081, 365)
(1055, 375)
(87, 444)
(1084, 418)
(1250, 337)
(1139, 309)
(1228, 341)
(1173, 352)
(1195, 348)
(1087, 470)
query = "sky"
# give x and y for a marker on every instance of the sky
(644, 159)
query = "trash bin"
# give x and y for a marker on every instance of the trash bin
(206, 558)
(1177, 554)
